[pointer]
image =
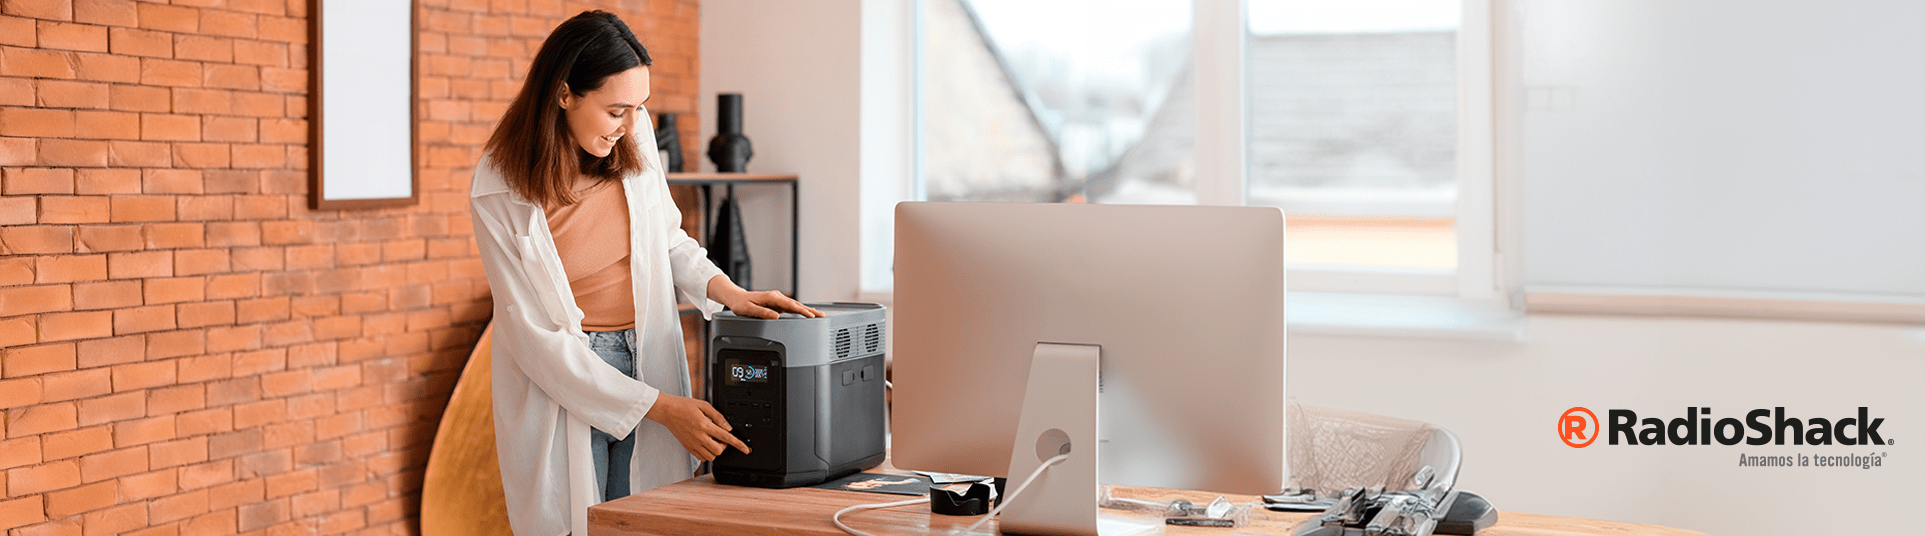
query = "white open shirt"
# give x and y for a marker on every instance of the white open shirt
(549, 387)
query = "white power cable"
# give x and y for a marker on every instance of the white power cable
(845, 528)
(837, 518)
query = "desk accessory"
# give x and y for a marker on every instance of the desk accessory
(973, 502)
(1219, 513)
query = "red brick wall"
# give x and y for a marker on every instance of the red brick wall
(185, 348)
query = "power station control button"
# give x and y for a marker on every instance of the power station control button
(868, 373)
(848, 377)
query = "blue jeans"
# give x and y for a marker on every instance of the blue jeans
(612, 455)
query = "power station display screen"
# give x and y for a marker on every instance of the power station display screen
(740, 372)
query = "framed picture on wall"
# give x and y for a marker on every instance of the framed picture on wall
(361, 104)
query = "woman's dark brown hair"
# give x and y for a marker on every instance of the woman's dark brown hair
(531, 147)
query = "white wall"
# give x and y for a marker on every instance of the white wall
(1724, 146)
(798, 67)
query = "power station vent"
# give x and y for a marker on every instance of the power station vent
(872, 338)
(842, 343)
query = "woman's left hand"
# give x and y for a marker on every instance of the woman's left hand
(766, 305)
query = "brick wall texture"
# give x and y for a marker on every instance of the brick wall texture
(185, 347)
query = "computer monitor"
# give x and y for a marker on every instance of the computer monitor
(1183, 304)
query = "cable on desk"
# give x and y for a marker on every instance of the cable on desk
(845, 528)
(972, 528)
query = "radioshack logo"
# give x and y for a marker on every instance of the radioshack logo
(1578, 427)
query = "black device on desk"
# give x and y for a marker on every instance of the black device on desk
(805, 394)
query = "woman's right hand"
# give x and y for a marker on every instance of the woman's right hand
(695, 423)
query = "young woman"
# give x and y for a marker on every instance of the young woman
(584, 253)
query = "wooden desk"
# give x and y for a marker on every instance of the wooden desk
(701, 506)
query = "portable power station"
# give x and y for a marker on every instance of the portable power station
(805, 394)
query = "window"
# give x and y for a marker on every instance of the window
(1052, 100)
(1368, 124)
(1367, 121)
(1352, 122)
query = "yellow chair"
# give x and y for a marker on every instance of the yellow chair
(461, 491)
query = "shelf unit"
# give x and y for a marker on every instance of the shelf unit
(695, 331)
(706, 182)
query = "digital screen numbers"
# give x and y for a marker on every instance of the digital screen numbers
(744, 372)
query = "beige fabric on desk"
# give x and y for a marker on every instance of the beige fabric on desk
(549, 387)
(1332, 449)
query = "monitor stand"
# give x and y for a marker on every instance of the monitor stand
(1059, 417)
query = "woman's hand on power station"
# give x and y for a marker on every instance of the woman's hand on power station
(701, 430)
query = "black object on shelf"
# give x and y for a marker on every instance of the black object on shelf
(668, 140)
(707, 204)
(728, 246)
(730, 149)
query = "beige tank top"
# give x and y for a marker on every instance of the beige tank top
(591, 236)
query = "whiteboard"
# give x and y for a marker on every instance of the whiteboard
(361, 112)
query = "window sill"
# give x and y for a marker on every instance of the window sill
(1400, 315)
